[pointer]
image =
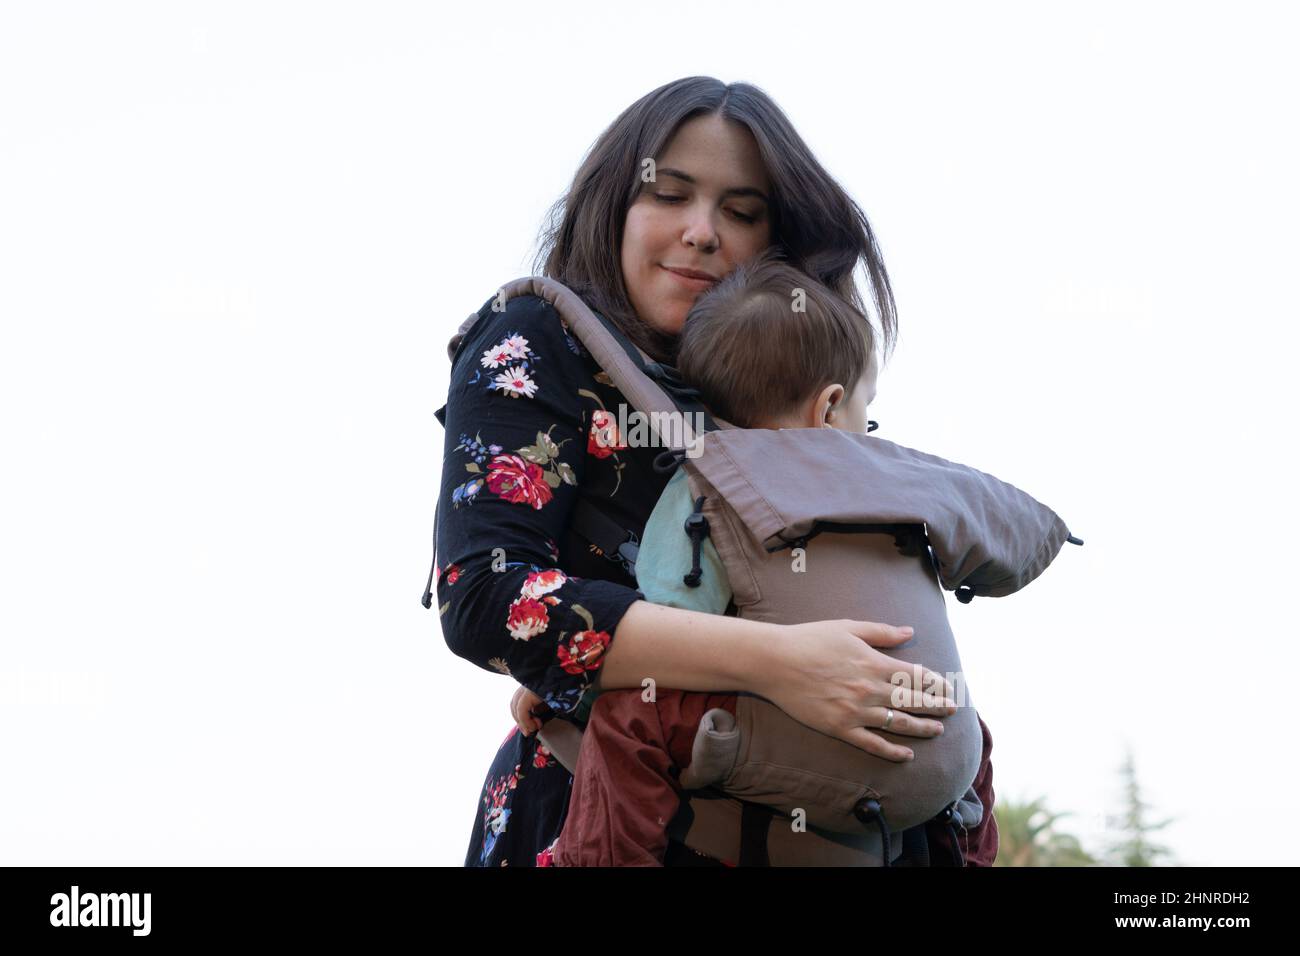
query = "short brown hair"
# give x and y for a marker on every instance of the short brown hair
(754, 358)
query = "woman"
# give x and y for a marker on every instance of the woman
(690, 181)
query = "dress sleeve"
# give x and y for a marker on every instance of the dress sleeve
(515, 455)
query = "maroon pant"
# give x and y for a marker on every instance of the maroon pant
(626, 791)
(979, 845)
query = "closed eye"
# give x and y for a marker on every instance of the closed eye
(671, 199)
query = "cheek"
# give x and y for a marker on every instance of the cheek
(638, 228)
(634, 233)
(638, 255)
(752, 242)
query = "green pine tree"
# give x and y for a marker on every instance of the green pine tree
(1134, 847)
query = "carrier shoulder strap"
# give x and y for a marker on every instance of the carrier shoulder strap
(652, 388)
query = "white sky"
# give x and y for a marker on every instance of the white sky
(235, 238)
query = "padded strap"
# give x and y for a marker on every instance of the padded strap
(614, 541)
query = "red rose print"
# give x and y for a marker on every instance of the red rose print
(542, 582)
(583, 652)
(527, 618)
(518, 481)
(603, 439)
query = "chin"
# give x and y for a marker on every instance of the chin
(669, 323)
(674, 325)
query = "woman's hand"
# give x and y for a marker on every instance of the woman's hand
(829, 675)
(521, 707)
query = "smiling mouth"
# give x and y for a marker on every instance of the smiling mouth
(696, 280)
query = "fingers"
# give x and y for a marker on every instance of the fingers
(541, 710)
(935, 684)
(916, 688)
(880, 635)
(526, 713)
(874, 744)
(521, 720)
(521, 704)
(902, 723)
(917, 702)
(528, 724)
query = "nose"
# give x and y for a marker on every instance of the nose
(699, 231)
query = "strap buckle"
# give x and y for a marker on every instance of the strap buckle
(627, 553)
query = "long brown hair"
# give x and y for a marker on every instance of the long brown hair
(815, 223)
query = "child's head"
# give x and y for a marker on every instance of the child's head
(760, 362)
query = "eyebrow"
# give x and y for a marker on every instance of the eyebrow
(736, 191)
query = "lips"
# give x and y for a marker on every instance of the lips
(694, 277)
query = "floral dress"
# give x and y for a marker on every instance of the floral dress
(530, 425)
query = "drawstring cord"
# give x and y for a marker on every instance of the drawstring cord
(945, 817)
(868, 809)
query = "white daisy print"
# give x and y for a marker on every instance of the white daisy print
(518, 346)
(508, 350)
(515, 382)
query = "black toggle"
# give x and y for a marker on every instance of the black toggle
(697, 527)
(668, 460)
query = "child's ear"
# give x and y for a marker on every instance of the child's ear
(834, 395)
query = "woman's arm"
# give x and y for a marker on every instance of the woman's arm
(515, 455)
(826, 674)
(689, 650)
(680, 638)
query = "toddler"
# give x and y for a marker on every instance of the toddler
(768, 347)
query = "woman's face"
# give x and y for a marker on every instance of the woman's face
(706, 213)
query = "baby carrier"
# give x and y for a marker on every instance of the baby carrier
(796, 515)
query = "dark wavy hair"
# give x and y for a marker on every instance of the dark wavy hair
(815, 224)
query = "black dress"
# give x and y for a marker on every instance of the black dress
(531, 424)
